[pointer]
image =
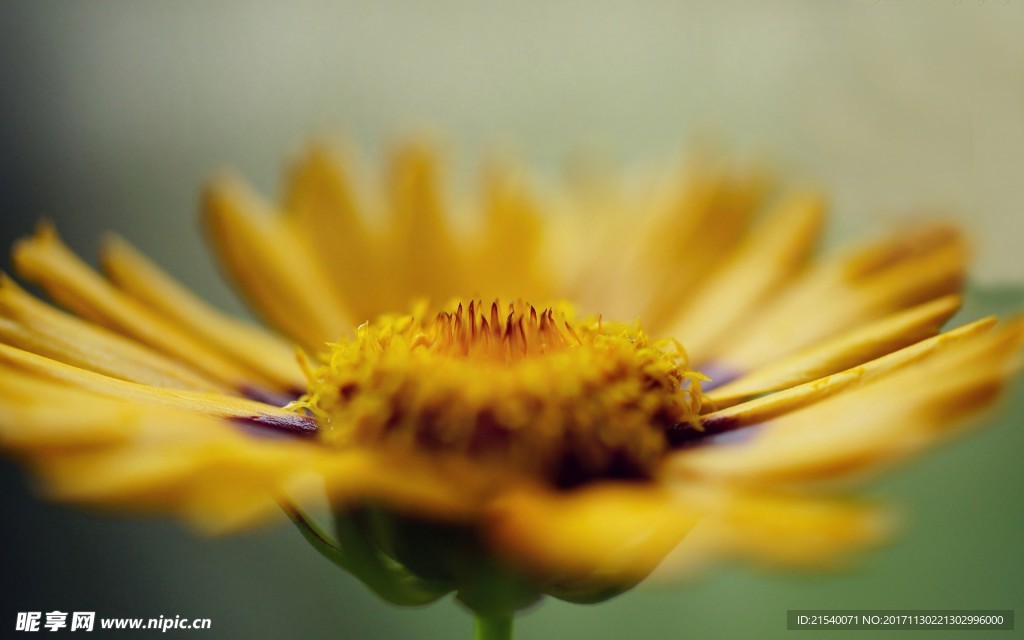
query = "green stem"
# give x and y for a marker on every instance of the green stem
(492, 627)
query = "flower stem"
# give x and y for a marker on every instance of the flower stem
(492, 627)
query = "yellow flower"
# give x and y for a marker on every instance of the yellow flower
(479, 400)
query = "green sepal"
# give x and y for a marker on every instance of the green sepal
(453, 554)
(588, 595)
(413, 562)
(355, 553)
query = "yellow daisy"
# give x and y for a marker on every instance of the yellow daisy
(505, 398)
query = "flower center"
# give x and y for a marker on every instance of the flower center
(529, 390)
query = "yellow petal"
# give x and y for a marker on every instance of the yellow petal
(759, 266)
(15, 362)
(873, 426)
(439, 489)
(32, 420)
(848, 350)
(262, 251)
(698, 234)
(322, 201)
(218, 478)
(34, 326)
(790, 530)
(187, 464)
(45, 260)
(508, 262)
(426, 259)
(123, 454)
(604, 533)
(266, 357)
(849, 290)
(768, 407)
(646, 262)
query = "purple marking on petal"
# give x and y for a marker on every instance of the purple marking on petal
(683, 435)
(267, 425)
(267, 396)
(720, 373)
(714, 426)
(735, 436)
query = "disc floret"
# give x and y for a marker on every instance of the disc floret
(512, 385)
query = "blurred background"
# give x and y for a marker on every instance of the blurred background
(112, 115)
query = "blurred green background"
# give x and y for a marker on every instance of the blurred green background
(113, 114)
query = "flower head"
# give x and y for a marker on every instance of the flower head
(497, 438)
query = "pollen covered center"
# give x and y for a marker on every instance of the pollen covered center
(528, 389)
